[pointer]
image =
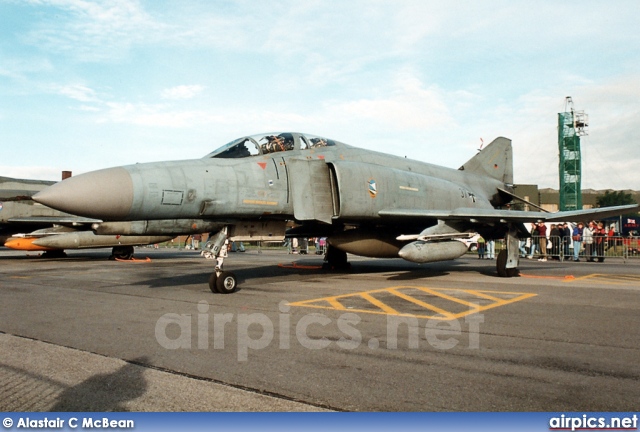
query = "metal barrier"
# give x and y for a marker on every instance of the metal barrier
(562, 248)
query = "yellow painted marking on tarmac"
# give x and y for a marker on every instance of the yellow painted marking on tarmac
(625, 277)
(368, 297)
(336, 304)
(609, 279)
(579, 278)
(341, 302)
(420, 303)
(448, 297)
(519, 297)
(530, 276)
(485, 296)
(20, 277)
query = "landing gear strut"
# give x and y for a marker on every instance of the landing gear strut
(220, 281)
(507, 262)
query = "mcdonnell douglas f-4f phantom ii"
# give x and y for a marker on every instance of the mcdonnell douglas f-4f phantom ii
(365, 203)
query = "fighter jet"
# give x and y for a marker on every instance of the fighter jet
(26, 225)
(366, 203)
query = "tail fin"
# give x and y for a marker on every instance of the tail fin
(496, 161)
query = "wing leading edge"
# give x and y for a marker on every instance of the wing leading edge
(504, 216)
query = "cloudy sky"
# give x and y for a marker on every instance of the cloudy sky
(90, 84)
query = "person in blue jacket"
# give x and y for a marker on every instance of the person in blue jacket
(577, 240)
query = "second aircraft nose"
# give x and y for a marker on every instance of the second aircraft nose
(105, 194)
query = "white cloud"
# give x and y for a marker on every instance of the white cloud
(94, 30)
(410, 105)
(77, 92)
(16, 68)
(155, 116)
(89, 108)
(182, 92)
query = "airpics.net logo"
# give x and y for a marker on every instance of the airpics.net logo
(313, 331)
(591, 422)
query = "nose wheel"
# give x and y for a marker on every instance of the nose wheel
(223, 283)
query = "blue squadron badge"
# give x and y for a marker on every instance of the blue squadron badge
(373, 189)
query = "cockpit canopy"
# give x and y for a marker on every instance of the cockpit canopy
(262, 144)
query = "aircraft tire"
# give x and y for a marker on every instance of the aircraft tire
(213, 280)
(336, 259)
(501, 266)
(227, 283)
(344, 267)
(54, 254)
(122, 252)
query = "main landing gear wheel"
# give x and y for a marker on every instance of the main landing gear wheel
(122, 252)
(336, 259)
(54, 254)
(501, 266)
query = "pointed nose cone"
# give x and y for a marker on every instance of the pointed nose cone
(106, 194)
(26, 244)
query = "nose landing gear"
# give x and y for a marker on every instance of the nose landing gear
(220, 281)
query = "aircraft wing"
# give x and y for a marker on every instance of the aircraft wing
(493, 215)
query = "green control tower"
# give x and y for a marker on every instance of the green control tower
(571, 126)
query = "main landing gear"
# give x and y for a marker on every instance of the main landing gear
(54, 254)
(222, 282)
(507, 262)
(122, 253)
(335, 259)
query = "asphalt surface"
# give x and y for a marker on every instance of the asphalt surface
(87, 334)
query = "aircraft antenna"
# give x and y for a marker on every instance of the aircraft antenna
(572, 125)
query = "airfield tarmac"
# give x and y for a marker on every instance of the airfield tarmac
(84, 333)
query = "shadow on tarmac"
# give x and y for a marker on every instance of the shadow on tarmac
(389, 269)
(105, 392)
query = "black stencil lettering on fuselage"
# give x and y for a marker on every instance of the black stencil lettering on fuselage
(172, 197)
